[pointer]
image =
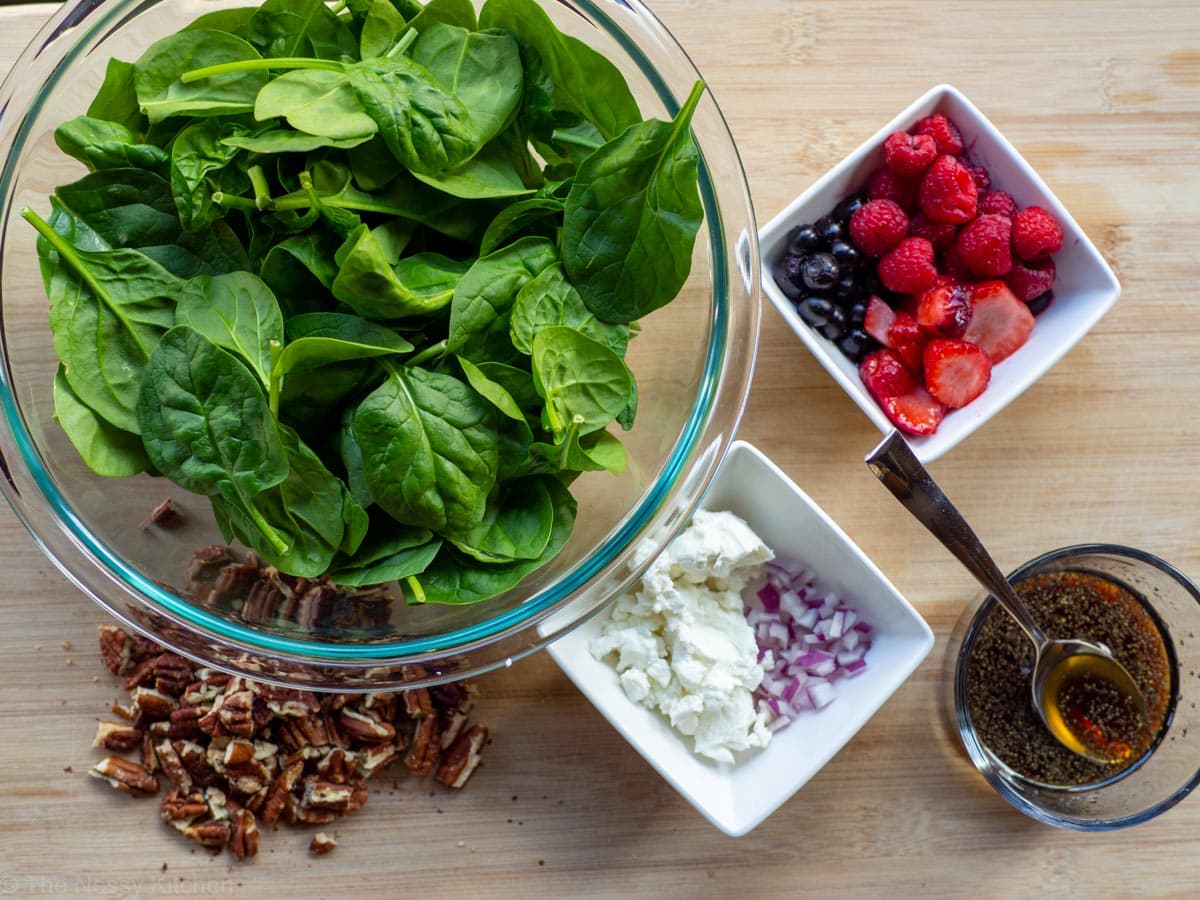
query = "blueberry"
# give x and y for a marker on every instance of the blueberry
(780, 273)
(856, 344)
(845, 253)
(844, 210)
(819, 272)
(829, 229)
(1038, 304)
(802, 239)
(857, 313)
(847, 288)
(836, 325)
(816, 311)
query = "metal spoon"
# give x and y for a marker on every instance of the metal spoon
(1058, 662)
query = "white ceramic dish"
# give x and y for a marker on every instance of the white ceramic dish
(737, 798)
(1084, 290)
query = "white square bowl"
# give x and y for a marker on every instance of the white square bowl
(737, 798)
(1084, 290)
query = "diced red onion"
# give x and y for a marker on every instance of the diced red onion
(807, 639)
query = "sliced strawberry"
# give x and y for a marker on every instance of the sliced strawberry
(906, 338)
(885, 375)
(878, 319)
(1000, 323)
(915, 412)
(956, 372)
(945, 309)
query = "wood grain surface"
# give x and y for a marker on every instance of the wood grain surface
(1104, 100)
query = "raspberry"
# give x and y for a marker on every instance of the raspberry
(999, 203)
(940, 234)
(947, 192)
(1029, 280)
(953, 265)
(944, 133)
(981, 177)
(1035, 233)
(909, 154)
(885, 184)
(984, 245)
(877, 226)
(909, 267)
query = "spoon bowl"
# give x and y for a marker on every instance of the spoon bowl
(1088, 700)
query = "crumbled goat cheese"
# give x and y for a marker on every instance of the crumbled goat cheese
(682, 643)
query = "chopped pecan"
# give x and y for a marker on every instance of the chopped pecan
(117, 736)
(463, 757)
(280, 791)
(236, 712)
(321, 844)
(218, 804)
(322, 794)
(452, 723)
(288, 702)
(166, 515)
(212, 836)
(125, 775)
(172, 765)
(312, 815)
(195, 761)
(423, 751)
(382, 705)
(116, 649)
(243, 836)
(154, 705)
(364, 727)
(149, 757)
(172, 674)
(372, 759)
(181, 806)
(417, 703)
(142, 674)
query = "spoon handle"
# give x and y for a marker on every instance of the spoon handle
(894, 464)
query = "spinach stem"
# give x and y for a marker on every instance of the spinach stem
(403, 44)
(233, 201)
(336, 8)
(69, 255)
(280, 545)
(275, 387)
(568, 137)
(415, 586)
(262, 190)
(430, 352)
(253, 65)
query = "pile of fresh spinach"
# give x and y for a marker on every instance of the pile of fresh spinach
(364, 274)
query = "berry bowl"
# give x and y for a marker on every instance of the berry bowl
(171, 562)
(972, 313)
(736, 797)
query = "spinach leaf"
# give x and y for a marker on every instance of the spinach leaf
(520, 218)
(236, 20)
(318, 339)
(516, 524)
(381, 27)
(108, 309)
(518, 382)
(116, 101)
(200, 166)
(237, 312)
(598, 451)
(161, 94)
(100, 144)
(282, 140)
(288, 28)
(583, 80)
(583, 382)
(299, 270)
(429, 449)
(549, 299)
(389, 552)
(205, 422)
(485, 176)
(479, 310)
(632, 216)
(425, 127)
(481, 68)
(318, 102)
(133, 208)
(106, 449)
(449, 12)
(365, 281)
(492, 391)
(310, 510)
(453, 578)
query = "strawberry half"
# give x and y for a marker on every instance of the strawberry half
(956, 372)
(1000, 323)
(902, 397)
(945, 309)
(878, 319)
(906, 338)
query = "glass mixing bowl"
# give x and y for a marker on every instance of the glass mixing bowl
(693, 361)
(1171, 770)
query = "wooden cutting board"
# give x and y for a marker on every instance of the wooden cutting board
(1104, 100)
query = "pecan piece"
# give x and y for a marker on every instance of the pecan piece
(142, 674)
(321, 844)
(125, 775)
(180, 806)
(212, 836)
(372, 759)
(152, 704)
(364, 727)
(423, 752)
(166, 515)
(243, 837)
(286, 702)
(172, 765)
(195, 761)
(120, 737)
(322, 794)
(172, 674)
(280, 792)
(417, 703)
(236, 712)
(116, 649)
(463, 757)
